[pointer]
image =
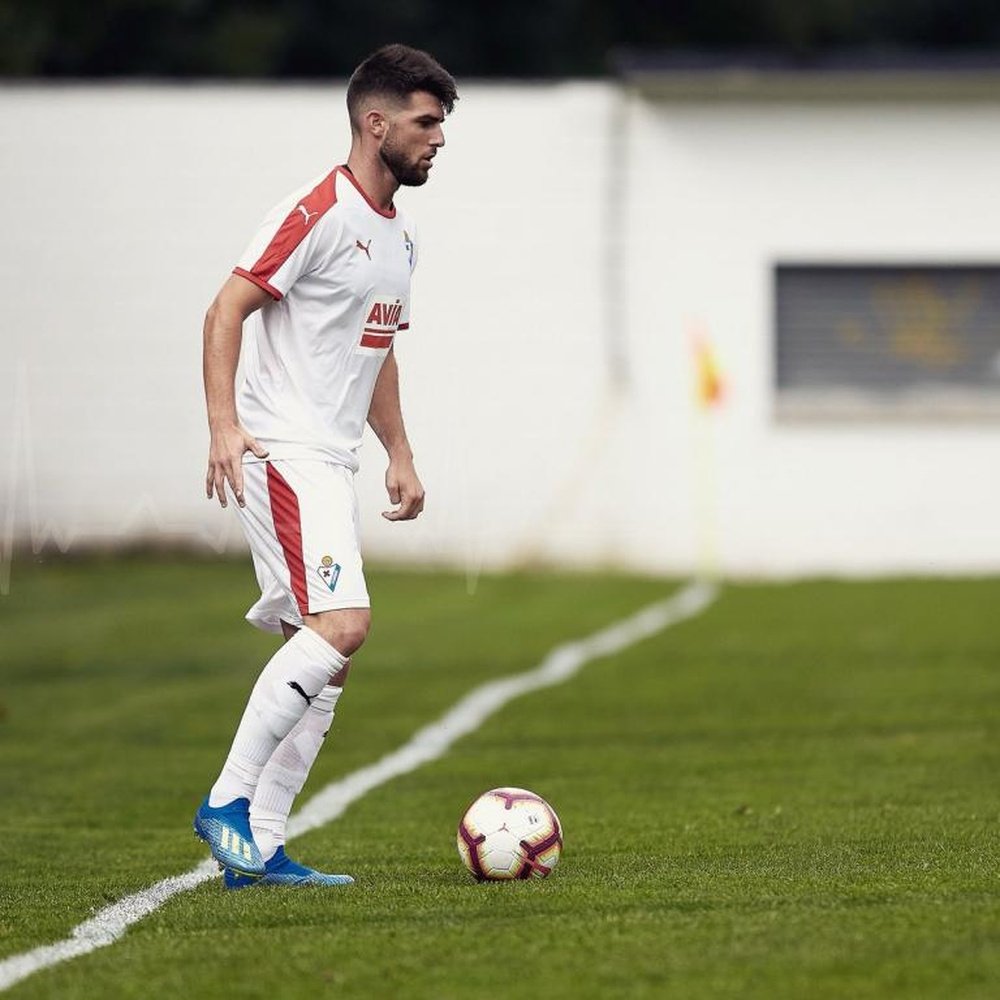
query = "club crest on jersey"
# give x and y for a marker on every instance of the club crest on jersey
(408, 243)
(381, 321)
(329, 572)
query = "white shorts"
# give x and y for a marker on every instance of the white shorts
(301, 520)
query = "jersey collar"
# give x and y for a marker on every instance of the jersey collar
(346, 171)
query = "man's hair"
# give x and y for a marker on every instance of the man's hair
(396, 71)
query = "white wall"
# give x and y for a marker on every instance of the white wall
(124, 208)
(721, 193)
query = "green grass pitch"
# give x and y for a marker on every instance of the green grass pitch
(793, 795)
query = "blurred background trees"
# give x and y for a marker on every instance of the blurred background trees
(520, 38)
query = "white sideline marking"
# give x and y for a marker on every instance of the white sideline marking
(427, 744)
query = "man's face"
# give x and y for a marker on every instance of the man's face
(413, 138)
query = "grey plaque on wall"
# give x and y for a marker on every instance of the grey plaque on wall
(891, 340)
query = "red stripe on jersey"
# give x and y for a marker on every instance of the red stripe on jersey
(402, 326)
(288, 527)
(260, 282)
(299, 221)
(376, 340)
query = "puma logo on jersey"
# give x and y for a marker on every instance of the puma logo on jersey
(306, 214)
(364, 246)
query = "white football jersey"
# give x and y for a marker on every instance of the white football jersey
(338, 269)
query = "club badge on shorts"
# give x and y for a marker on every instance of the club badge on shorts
(329, 572)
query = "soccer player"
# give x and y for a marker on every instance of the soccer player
(324, 289)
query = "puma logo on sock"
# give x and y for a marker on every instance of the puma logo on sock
(294, 685)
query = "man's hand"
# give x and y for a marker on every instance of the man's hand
(404, 488)
(225, 461)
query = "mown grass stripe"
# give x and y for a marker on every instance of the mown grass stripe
(426, 745)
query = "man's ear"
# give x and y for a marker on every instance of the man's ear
(376, 122)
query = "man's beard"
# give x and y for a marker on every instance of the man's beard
(407, 174)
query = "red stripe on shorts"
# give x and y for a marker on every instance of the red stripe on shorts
(288, 527)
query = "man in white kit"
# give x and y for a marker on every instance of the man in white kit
(325, 288)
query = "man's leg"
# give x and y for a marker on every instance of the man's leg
(288, 767)
(291, 680)
(296, 515)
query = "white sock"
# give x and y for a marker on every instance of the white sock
(286, 772)
(292, 678)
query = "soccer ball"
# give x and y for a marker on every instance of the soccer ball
(509, 833)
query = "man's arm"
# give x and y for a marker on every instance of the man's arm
(236, 300)
(386, 419)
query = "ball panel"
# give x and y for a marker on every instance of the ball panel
(468, 849)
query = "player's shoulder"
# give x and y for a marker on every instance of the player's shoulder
(311, 201)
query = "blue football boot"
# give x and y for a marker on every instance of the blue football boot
(226, 830)
(281, 870)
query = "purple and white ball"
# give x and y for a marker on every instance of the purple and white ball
(509, 833)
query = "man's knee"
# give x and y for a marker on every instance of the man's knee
(345, 630)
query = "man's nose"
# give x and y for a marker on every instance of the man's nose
(437, 139)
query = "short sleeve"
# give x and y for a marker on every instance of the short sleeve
(290, 241)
